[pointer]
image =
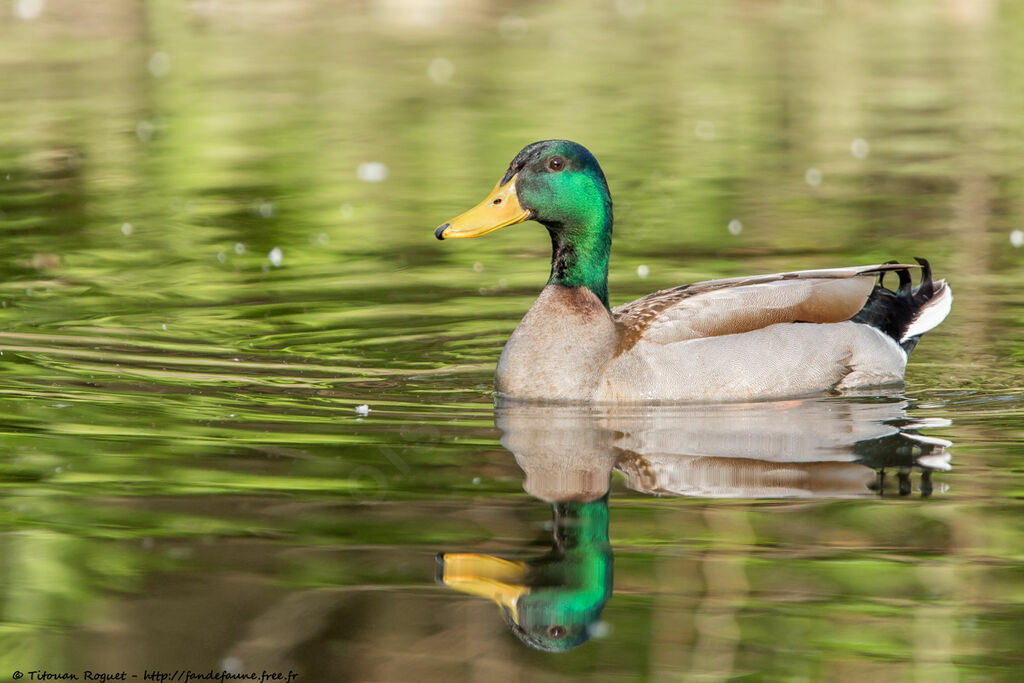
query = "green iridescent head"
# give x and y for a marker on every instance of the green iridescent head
(559, 184)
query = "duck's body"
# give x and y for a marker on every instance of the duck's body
(570, 347)
(764, 336)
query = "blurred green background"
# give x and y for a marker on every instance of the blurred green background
(216, 222)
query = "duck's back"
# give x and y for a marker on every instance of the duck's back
(731, 306)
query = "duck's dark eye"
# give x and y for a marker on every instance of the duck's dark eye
(556, 163)
(497, 201)
(556, 631)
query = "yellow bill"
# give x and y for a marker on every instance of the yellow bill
(502, 581)
(500, 208)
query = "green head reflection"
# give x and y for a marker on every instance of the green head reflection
(552, 602)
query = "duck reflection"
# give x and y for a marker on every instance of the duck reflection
(550, 602)
(824, 447)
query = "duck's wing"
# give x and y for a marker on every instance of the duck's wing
(720, 307)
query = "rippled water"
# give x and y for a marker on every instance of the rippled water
(217, 229)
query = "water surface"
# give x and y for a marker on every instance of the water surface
(217, 228)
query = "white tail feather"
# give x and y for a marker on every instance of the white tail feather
(932, 313)
(930, 440)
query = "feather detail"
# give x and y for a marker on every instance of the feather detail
(732, 306)
(908, 312)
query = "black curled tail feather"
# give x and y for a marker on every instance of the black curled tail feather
(908, 312)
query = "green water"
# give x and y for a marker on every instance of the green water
(216, 222)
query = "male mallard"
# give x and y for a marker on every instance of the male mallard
(736, 339)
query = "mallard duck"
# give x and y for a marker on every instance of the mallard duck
(758, 337)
